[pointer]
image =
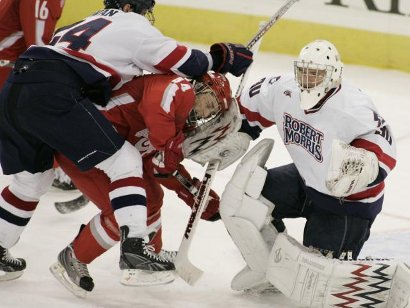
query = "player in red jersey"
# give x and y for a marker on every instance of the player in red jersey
(48, 105)
(22, 24)
(149, 112)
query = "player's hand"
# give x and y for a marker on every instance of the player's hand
(351, 169)
(166, 162)
(211, 211)
(232, 58)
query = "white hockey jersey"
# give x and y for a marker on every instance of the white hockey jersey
(347, 114)
(120, 45)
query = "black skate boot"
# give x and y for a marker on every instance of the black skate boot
(140, 265)
(72, 273)
(12, 267)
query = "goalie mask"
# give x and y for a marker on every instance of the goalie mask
(212, 98)
(317, 70)
(142, 7)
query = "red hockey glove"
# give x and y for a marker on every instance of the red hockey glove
(211, 212)
(167, 161)
(232, 58)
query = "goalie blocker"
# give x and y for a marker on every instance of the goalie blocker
(305, 276)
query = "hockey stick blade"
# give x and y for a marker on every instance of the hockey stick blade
(65, 207)
(184, 267)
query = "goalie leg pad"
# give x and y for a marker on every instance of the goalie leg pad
(311, 280)
(246, 185)
(400, 289)
(245, 213)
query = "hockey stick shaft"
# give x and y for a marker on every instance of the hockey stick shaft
(245, 76)
(255, 42)
(185, 269)
(275, 17)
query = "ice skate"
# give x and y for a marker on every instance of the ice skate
(140, 265)
(10, 267)
(72, 273)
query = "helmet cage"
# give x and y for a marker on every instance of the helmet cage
(205, 98)
(212, 98)
(310, 76)
(317, 71)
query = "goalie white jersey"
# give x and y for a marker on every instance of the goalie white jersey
(347, 114)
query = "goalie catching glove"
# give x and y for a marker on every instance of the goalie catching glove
(351, 169)
(230, 58)
(166, 162)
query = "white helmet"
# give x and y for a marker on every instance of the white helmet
(317, 70)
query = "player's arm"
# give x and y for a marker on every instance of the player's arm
(169, 56)
(255, 105)
(38, 19)
(361, 166)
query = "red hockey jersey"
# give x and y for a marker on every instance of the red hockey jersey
(25, 23)
(150, 108)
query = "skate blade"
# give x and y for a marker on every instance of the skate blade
(5, 276)
(60, 274)
(140, 278)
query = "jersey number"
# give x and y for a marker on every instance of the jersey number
(41, 10)
(79, 36)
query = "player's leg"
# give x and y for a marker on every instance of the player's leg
(336, 236)
(310, 279)
(284, 188)
(102, 232)
(18, 202)
(247, 216)
(246, 205)
(19, 151)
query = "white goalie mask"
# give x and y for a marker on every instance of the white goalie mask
(317, 70)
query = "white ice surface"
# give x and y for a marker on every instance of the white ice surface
(212, 250)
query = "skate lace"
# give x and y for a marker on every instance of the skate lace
(81, 268)
(149, 250)
(168, 255)
(8, 258)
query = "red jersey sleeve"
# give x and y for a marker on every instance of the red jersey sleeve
(38, 19)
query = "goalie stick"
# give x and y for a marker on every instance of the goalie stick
(184, 267)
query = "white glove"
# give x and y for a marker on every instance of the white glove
(351, 169)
